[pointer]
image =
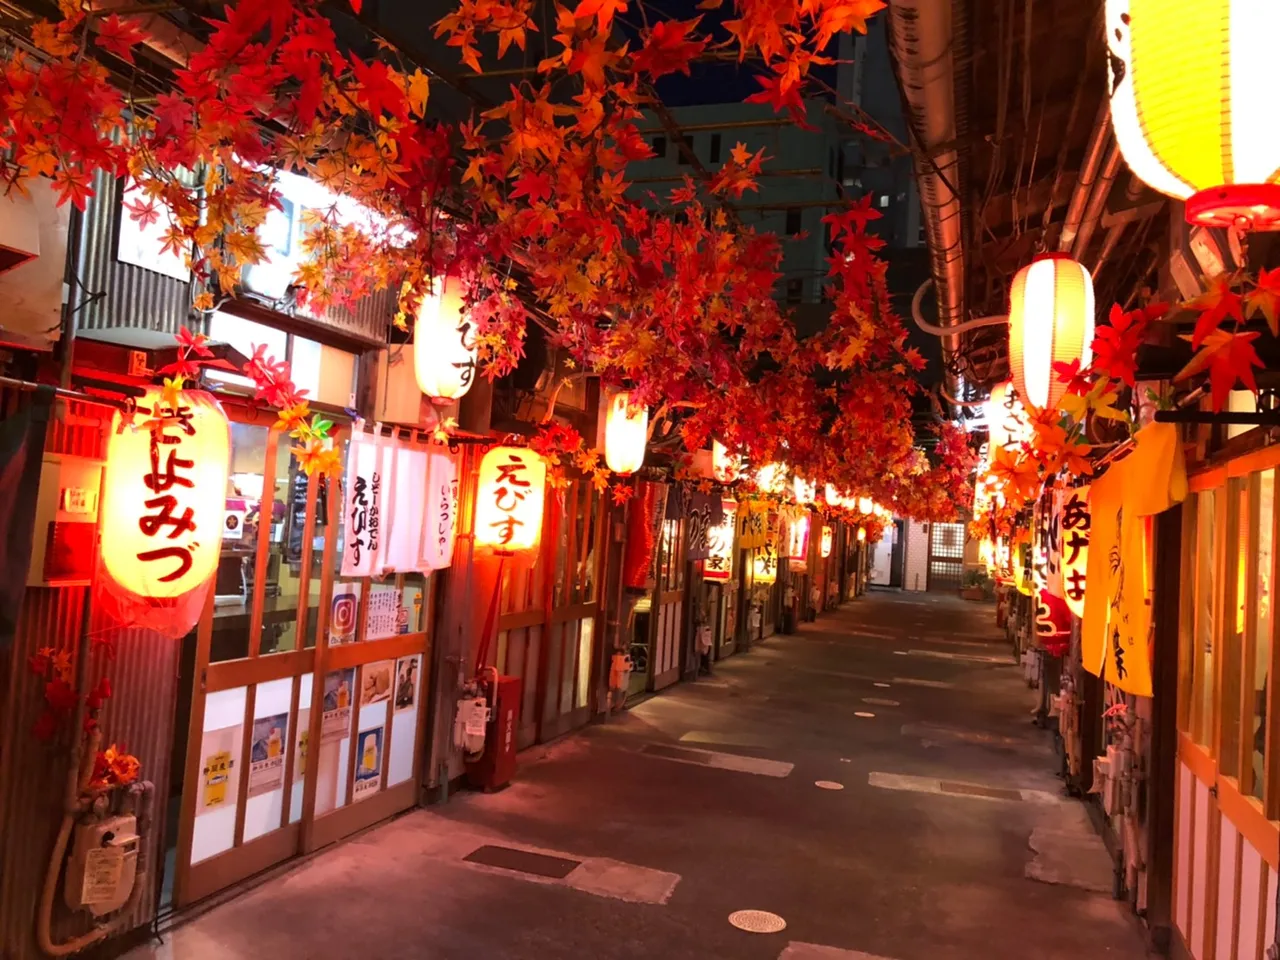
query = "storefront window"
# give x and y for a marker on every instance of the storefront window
(284, 556)
(233, 601)
(1235, 628)
(1262, 644)
(1202, 637)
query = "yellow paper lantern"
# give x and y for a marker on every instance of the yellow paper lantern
(772, 478)
(798, 538)
(862, 534)
(764, 563)
(626, 431)
(724, 467)
(1050, 321)
(828, 537)
(832, 496)
(164, 504)
(444, 346)
(806, 491)
(1193, 104)
(866, 505)
(509, 499)
(1007, 423)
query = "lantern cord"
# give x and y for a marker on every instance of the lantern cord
(490, 620)
(951, 329)
(971, 404)
(27, 386)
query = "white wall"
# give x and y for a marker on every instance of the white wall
(917, 577)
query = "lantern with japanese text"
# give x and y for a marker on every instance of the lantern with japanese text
(1007, 422)
(806, 491)
(1050, 321)
(444, 344)
(798, 537)
(725, 467)
(164, 496)
(718, 564)
(1192, 104)
(626, 431)
(764, 563)
(1074, 521)
(509, 500)
(828, 538)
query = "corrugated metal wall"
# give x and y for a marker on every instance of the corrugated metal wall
(33, 773)
(135, 297)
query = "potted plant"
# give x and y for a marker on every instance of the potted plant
(977, 585)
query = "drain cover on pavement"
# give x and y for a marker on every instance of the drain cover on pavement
(757, 921)
(880, 684)
(877, 702)
(862, 713)
(510, 858)
(828, 785)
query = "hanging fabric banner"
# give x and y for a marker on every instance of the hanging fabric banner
(753, 527)
(1116, 634)
(406, 515)
(1072, 509)
(1053, 544)
(387, 447)
(721, 548)
(362, 509)
(435, 549)
(704, 512)
(1053, 624)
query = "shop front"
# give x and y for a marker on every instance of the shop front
(720, 573)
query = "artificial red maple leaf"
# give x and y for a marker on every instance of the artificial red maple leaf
(668, 48)
(1215, 305)
(853, 219)
(1115, 345)
(1230, 358)
(1265, 296)
(535, 186)
(119, 36)
(356, 5)
(843, 17)
(378, 92)
(73, 185)
(781, 95)
(602, 10)
(193, 342)
(1070, 374)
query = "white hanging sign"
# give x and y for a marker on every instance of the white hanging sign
(435, 550)
(362, 507)
(408, 507)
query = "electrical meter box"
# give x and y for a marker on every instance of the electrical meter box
(63, 548)
(103, 866)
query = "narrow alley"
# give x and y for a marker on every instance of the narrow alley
(873, 780)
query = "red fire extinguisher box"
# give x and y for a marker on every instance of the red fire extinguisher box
(497, 765)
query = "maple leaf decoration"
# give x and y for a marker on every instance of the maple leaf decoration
(668, 48)
(1216, 304)
(1265, 297)
(1230, 359)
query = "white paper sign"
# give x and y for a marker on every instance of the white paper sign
(408, 504)
(362, 508)
(436, 548)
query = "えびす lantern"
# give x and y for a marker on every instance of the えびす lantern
(1050, 321)
(163, 508)
(724, 467)
(626, 431)
(828, 537)
(509, 499)
(444, 346)
(1193, 104)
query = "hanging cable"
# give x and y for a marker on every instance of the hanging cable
(952, 329)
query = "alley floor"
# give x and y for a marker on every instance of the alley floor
(873, 780)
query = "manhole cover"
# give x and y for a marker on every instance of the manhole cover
(828, 785)
(845, 760)
(877, 702)
(880, 684)
(863, 713)
(757, 921)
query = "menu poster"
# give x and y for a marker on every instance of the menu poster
(384, 617)
(217, 767)
(406, 682)
(375, 682)
(368, 763)
(339, 690)
(266, 755)
(300, 744)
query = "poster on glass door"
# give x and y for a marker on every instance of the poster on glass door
(368, 763)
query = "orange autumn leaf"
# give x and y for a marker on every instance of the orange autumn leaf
(1229, 358)
(1265, 297)
(1220, 302)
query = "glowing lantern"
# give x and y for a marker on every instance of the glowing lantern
(509, 499)
(1050, 321)
(1006, 419)
(862, 534)
(1192, 104)
(798, 538)
(626, 431)
(832, 496)
(806, 491)
(444, 347)
(724, 468)
(866, 505)
(771, 478)
(1074, 521)
(764, 563)
(719, 562)
(163, 508)
(828, 538)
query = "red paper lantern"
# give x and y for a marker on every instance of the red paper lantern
(163, 508)
(509, 499)
(1050, 321)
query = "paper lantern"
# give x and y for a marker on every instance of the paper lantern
(866, 505)
(444, 346)
(724, 466)
(626, 431)
(718, 565)
(828, 537)
(1074, 522)
(1007, 423)
(163, 507)
(1050, 321)
(862, 534)
(509, 499)
(772, 478)
(832, 496)
(1193, 104)
(764, 563)
(798, 538)
(806, 491)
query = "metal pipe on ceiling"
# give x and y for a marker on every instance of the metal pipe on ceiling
(1097, 201)
(1093, 155)
(922, 37)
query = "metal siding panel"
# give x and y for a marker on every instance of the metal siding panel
(135, 297)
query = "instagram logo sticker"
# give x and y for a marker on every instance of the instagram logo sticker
(342, 620)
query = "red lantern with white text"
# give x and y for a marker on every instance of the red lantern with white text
(509, 500)
(1193, 104)
(444, 345)
(1050, 321)
(626, 431)
(163, 507)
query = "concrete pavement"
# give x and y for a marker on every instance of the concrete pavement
(873, 780)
